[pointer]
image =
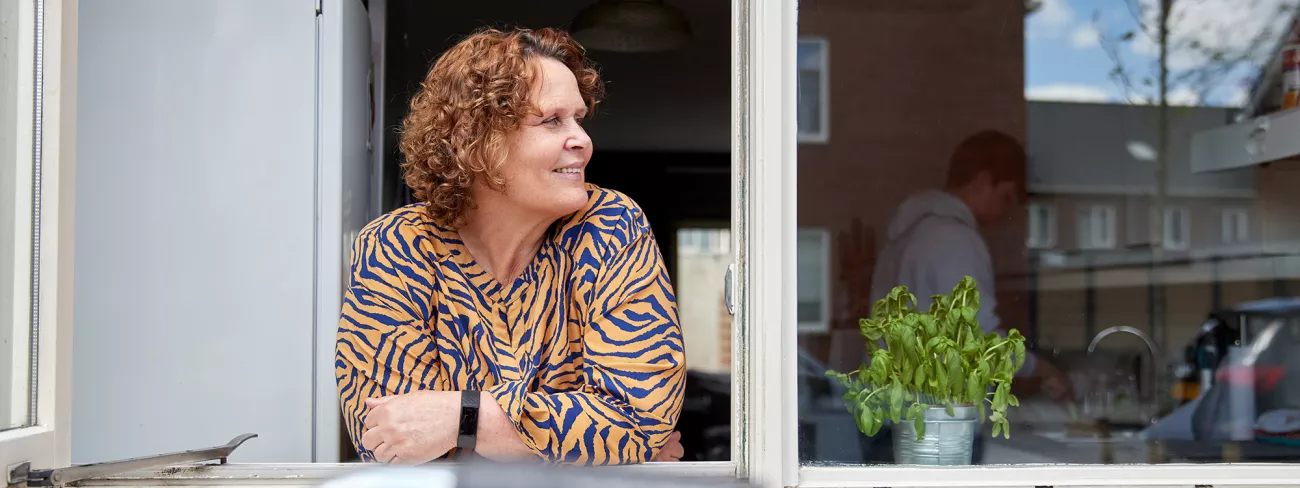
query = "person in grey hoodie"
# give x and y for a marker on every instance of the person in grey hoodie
(934, 238)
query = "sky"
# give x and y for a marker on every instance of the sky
(1065, 59)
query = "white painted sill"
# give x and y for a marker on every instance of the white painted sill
(1029, 476)
(314, 474)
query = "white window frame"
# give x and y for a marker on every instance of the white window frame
(771, 459)
(1235, 226)
(823, 101)
(765, 416)
(1094, 210)
(1174, 242)
(1034, 241)
(47, 443)
(823, 237)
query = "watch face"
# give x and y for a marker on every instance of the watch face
(468, 426)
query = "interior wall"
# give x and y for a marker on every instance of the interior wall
(676, 102)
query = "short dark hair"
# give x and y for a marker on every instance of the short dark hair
(995, 152)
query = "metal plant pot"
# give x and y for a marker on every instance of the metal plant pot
(948, 440)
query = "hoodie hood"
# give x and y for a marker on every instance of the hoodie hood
(929, 203)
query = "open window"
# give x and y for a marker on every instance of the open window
(37, 87)
(1123, 325)
(278, 158)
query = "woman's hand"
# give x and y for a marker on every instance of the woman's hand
(414, 428)
(672, 451)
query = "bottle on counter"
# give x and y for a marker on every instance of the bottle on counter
(1291, 69)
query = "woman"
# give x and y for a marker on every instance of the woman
(518, 312)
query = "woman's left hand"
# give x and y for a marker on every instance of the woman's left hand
(414, 428)
(672, 451)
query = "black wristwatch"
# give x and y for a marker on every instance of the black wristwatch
(468, 435)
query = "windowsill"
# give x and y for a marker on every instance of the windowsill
(313, 474)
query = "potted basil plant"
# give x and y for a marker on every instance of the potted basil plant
(936, 378)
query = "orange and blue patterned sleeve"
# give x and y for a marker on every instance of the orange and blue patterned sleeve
(382, 347)
(633, 370)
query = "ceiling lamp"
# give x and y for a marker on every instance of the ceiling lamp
(631, 26)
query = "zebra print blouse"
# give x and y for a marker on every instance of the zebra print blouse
(583, 351)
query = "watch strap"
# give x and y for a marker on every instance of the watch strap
(467, 434)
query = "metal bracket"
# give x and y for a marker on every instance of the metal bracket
(24, 475)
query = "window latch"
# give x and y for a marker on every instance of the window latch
(23, 474)
(728, 292)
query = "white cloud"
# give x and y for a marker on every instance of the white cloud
(1225, 26)
(1183, 96)
(1068, 92)
(1144, 45)
(1085, 36)
(1237, 96)
(1052, 19)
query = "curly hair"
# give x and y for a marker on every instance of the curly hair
(474, 95)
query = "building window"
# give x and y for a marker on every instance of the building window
(1097, 227)
(814, 280)
(1235, 226)
(1177, 228)
(813, 86)
(1042, 226)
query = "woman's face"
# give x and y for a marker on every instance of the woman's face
(545, 167)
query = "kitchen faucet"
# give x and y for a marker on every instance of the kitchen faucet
(1149, 381)
(1151, 345)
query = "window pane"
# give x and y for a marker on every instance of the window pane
(810, 86)
(1143, 301)
(809, 101)
(16, 177)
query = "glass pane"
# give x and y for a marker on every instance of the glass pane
(1160, 324)
(16, 177)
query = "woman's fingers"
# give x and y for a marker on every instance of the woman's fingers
(372, 438)
(384, 453)
(672, 450)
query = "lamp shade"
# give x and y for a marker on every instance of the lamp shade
(631, 26)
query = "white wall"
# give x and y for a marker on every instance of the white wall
(194, 231)
(1083, 148)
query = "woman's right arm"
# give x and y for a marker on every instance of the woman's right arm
(383, 346)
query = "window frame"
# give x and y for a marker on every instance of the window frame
(771, 460)
(823, 135)
(48, 441)
(1234, 226)
(1170, 241)
(1049, 240)
(764, 218)
(1093, 210)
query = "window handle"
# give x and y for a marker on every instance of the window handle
(24, 475)
(728, 290)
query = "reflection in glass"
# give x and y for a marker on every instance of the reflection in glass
(1154, 199)
(702, 257)
(17, 33)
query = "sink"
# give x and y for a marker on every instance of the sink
(1115, 436)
